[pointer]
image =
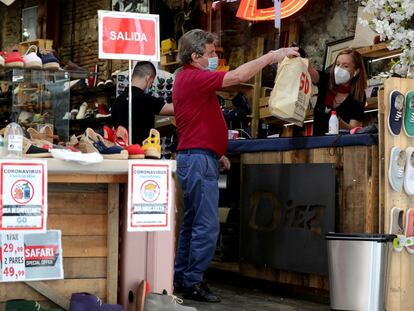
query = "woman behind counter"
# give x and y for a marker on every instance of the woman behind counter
(341, 89)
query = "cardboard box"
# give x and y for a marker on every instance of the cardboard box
(168, 45)
(264, 107)
(168, 59)
(40, 43)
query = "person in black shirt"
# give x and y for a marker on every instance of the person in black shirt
(341, 89)
(144, 106)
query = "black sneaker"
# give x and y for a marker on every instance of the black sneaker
(200, 292)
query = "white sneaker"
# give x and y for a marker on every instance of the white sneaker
(31, 60)
(409, 171)
(67, 116)
(396, 168)
(82, 111)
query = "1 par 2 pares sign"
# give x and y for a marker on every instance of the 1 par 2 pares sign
(129, 36)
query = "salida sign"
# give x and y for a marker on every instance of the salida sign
(128, 36)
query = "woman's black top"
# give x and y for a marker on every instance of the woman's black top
(349, 109)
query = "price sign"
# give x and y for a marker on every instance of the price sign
(31, 257)
(13, 268)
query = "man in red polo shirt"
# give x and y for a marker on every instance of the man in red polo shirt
(202, 143)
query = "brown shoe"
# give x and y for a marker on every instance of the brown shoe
(140, 295)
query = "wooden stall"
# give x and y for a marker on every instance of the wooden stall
(84, 203)
(356, 201)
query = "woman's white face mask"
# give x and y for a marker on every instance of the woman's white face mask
(342, 76)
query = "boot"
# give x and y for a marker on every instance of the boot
(164, 302)
(89, 302)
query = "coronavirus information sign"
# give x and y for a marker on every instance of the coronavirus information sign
(23, 195)
(129, 36)
(149, 195)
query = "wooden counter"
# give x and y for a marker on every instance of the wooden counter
(83, 202)
(357, 199)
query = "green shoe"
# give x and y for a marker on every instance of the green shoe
(25, 305)
(409, 114)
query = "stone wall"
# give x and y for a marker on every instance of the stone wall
(325, 21)
(321, 22)
(79, 34)
(11, 25)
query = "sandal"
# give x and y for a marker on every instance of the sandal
(30, 150)
(120, 138)
(152, 145)
(109, 133)
(93, 142)
(46, 133)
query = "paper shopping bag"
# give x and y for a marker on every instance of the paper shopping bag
(291, 94)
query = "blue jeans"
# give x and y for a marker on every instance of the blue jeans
(198, 175)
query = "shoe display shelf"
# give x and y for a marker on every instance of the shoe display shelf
(168, 61)
(43, 44)
(78, 126)
(81, 93)
(5, 100)
(251, 89)
(391, 172)
(35, 98)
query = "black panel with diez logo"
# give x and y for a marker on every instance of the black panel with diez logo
(286, 211)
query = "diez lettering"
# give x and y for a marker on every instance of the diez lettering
(128, 36)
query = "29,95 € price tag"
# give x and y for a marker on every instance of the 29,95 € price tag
(13, 268)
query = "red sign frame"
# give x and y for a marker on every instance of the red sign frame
(129, 36)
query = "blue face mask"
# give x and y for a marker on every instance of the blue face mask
(212, 63)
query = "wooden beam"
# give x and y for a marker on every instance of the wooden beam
(50, 293)
(259, 45)
(113, 241)
(97, 179)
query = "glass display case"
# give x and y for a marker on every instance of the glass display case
(34, 98)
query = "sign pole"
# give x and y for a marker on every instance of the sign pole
(277, 23)
(130, 102)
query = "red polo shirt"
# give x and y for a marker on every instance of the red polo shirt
(200, 122)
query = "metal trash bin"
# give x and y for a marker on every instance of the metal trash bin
(359, 270)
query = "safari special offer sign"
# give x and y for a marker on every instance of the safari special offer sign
(149, 195)
(31, 256)
(129, 36)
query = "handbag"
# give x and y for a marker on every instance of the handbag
(291, 94)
